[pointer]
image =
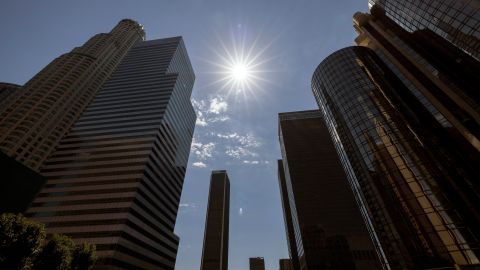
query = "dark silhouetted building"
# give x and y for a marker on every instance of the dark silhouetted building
(285, 264)
(328, 228)
(36, 116)
(6, 89)
(257, 263)
(116, 177)
(419, 191)
(215, 242)
(287, 217)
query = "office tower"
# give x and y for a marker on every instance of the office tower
(407, 174)
(215, 242)
(328, 227)
(457, 21)
(287, 214)
(285, 264)
(441, 76)
(41, 112)
(6, 89)
(115, 179)
(257, 263)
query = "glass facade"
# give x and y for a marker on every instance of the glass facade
(322, 218)
(395, 154)
(116, 178)
(458, 21)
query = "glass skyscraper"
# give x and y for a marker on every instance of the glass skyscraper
(408, 174)
(325, 228)
(116, 177)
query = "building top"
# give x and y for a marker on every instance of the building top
(299, 115)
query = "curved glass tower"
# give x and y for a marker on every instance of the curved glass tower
(414, 192)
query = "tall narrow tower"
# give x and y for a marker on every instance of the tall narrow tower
(36, 116)
(215, 243)
(116, 178)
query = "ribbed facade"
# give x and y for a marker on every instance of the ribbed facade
(397, 156)
(215, 242)
(328, 228)
(39, 114)
(457, 21)
(116, 178)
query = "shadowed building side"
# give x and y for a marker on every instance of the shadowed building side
(329, 230)
(36, 116)
(116, 178)
(257, 263)
(215, 242)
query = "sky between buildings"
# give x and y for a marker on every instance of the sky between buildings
(237, 126)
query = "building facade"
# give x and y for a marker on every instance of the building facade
(402, 166)
(285, 264)
(257, 263)
(287, 217)
(36, 116)
(116, 178)
(215, 242)
(457, 21)
(328, 228)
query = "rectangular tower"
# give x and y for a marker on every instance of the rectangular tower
(327, 224)
(257, 263)
(116, 178)
(215, 242)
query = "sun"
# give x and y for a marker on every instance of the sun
(240, 72)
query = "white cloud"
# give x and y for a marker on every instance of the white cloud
(251, 162)
(202, 151)
(239, 152)
(217, 105)
(201, 122)
(199, 164)
(188, 207)
(240, 211)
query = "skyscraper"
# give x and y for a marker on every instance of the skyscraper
(257, 263)
(215, 242)
(287, 217)
(457, 21)
(285, 264)
(402, 166)
(328, 228)
(41, 112)
(116, 178)
(441, 76)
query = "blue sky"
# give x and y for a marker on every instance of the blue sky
(236, 130)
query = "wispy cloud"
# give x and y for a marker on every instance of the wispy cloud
(188, 207)
(202, 150)
(240, 211)
(211, 110)
(251, 162)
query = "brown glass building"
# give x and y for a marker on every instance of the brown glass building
(42, 111)
(328, 228)
(257, 263)
(215, 242)
(418, 187)
(116, 177)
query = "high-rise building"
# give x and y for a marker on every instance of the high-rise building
(257, 263)
(116, 177)
(457, 21)
(285, 264)
(421, 200)
(36, 116)
(441, 76)
(328, 227)
(215, 242)
(287, 217)
(6, 89)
